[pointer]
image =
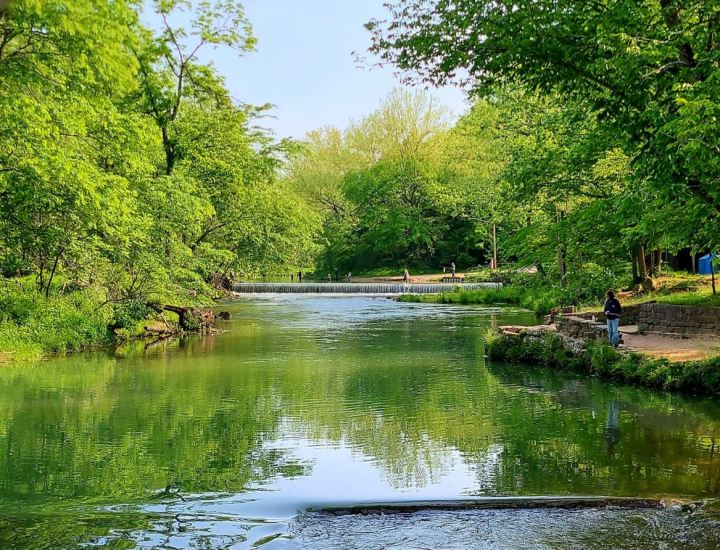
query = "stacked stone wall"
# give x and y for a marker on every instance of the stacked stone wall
(630, 314)
(681, 321)
(581, 328)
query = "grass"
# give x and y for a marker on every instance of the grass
(688, 298)
(32, 325)
(676, 289)
(695, 377)
(538, 300)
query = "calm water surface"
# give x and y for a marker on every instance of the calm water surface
(234, 441)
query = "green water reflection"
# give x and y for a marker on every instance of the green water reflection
(317, 399)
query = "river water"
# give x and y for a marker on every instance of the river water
(307, 402)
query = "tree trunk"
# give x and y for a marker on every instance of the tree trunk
(562, 251)
(495, 257)
(645, 279)
(633, 262)
(169, 151)
(640, 271)
(562, 266)
(657, 267)
(52, 273)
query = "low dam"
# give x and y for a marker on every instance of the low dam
(356, 288)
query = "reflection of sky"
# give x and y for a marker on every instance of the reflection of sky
(336, 474)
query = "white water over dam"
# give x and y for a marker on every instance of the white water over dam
(356, 288)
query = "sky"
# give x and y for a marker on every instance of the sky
(304, 65)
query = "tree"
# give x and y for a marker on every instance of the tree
(62, 174)
(169, 68)
(649, 68)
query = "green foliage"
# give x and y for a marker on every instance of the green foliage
(127, 313)
(695, 377)
(32, 324)
(647, 69)
(608, 124)
(126, 169)
(398, 188)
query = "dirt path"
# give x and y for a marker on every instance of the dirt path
(674, 349)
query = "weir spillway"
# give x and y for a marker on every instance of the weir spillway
(357, 288)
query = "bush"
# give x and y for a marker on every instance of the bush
(128, 313)
(32, 324)
(697, 377)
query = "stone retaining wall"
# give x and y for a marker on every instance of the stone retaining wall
(681, 321)
(580, 328)
(630, 314)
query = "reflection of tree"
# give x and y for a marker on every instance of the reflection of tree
(408, 394)
(564, 449)
(105, 430)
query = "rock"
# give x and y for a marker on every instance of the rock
(224, 315)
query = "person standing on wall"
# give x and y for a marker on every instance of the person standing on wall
(406, 276)
(452, 269)
(612, 310)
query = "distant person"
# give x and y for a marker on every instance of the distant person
(612, 310)
(452, 269)
(349, 277)
(299, 276)
(292, 277)
(329, 278)
(406, 276)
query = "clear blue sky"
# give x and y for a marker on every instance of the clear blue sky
(304, 64)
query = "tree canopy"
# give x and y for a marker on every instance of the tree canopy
(126, 163)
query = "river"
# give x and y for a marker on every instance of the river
(244, 439)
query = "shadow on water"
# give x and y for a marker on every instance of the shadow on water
(308, 402)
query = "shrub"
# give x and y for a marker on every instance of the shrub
(127, 313)
(32, 324)
(698, 377)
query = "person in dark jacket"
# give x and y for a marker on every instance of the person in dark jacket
(612, 310)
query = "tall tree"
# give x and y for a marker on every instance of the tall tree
(649, 67)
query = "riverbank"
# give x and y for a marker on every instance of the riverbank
(34, 326)
(540, 347)
(674, 289)
(540, 301)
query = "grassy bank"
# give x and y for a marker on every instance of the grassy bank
(532, 292)
(695, 377)
(33, 326)
(538, 300)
